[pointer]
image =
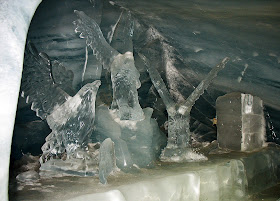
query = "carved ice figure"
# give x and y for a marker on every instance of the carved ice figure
(135, 134)
(124, 75)
(125, 82)
(70, 118)
(179, 114)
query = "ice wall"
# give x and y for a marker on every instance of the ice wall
(15, 17)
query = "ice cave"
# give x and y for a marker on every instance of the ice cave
(128, 100)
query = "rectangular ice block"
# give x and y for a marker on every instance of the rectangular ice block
(240, 122)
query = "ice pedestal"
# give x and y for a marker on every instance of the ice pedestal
(233, 176)
(137, 143)
(241, 124)
(220, 179)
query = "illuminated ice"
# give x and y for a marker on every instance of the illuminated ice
(124, 75)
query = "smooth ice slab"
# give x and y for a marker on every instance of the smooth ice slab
(241, 124)
(233, 176)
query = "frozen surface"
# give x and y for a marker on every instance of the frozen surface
(232, 176)
(241, 124)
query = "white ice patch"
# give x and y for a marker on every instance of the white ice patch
(60, 114)
(247, 102)
(196, 32)
(274, 55)
(255, 54)
(197, 49)
(239, 79)
(186, 155)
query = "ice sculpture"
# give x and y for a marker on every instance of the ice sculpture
(179, 114)
(124, 75)
(70, 118)
(132, 130)
(107, 160)
(241, 123)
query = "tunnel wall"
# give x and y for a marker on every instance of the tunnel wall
(15, 17)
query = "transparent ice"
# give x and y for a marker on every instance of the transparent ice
(137, 143)
(107, 160)
(132, 130)
(179, 114)
(72, 123)
(46, 85)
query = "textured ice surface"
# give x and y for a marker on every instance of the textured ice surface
(85, 163)
(45, 83)
(241, 124)
(136, 142)
(107, 160)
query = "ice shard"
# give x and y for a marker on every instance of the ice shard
(241, 123)
(107, 160)
(179, 114)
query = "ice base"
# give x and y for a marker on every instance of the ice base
(232, 176)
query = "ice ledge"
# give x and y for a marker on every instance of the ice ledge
(220, 179)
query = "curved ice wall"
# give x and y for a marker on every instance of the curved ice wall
(15, 17)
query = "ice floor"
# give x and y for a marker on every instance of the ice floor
(234, 176)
